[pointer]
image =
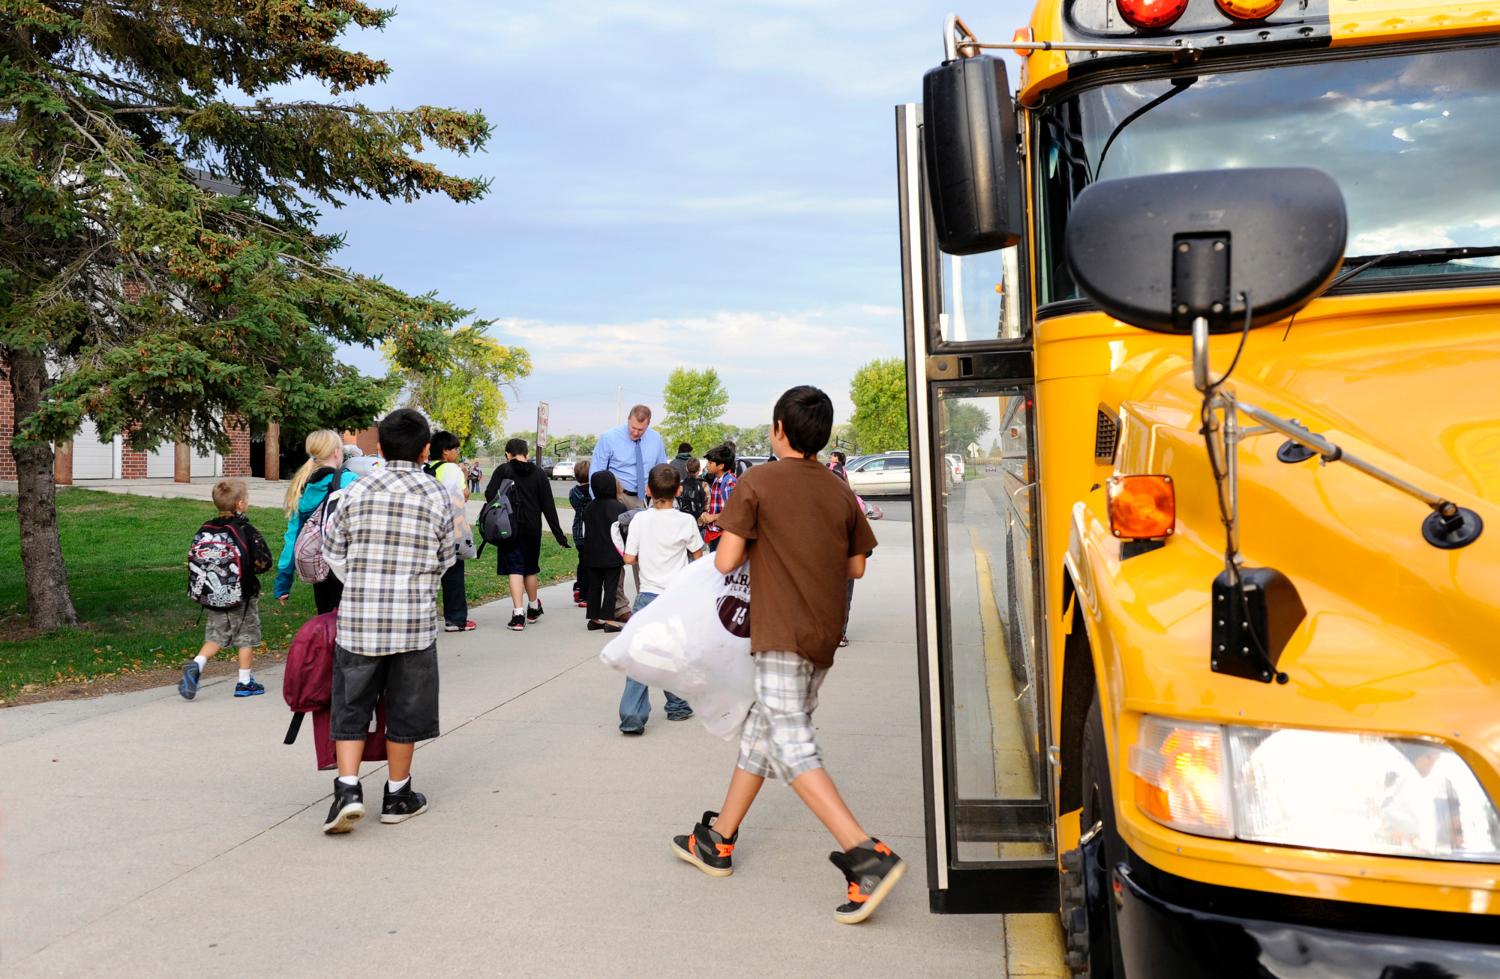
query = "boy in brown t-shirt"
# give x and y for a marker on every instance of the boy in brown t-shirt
(805, 537)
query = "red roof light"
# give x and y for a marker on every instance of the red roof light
(1153, 15)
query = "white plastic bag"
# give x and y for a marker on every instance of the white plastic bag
(694, 640)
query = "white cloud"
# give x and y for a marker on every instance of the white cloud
(577, 365)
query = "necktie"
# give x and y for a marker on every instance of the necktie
(640, 480)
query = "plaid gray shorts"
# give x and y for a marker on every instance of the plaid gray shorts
(777, 741)
(233, 628)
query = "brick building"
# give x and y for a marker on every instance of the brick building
(88, 456)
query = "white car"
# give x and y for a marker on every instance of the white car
(886, 474)
(955, 464)
(563, 468)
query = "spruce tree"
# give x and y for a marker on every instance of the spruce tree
(162, 269)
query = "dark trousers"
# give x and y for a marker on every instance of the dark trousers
(582, 588)
(328, 593)
(455, 602)
(602, 585)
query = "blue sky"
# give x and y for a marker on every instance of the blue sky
(699, 184)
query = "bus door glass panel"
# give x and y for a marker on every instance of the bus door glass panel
(995, 700)
(980, 299)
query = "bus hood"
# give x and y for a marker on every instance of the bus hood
(1398, 633)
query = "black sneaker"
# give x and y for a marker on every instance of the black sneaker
(871, 872)
(348, 808)
(517, 621)
(534, 612)
(705, 849)
(401, 806)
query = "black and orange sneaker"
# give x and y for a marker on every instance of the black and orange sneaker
(705, 849)
(871, 872)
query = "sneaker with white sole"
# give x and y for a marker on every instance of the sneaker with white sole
(348, 808)
(871, 872)
(534, 612)
(517, 621)
(398, 807)
(706, 849)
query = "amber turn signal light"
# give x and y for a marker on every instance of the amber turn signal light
(1248, 9)
(1142, 507)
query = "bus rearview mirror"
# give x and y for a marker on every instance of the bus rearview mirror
(971, 156)
(1160, 251)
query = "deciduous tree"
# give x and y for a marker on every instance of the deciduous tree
(466, 395)
(694, 401)
(963, 424)
(878, 391)
(133, 294)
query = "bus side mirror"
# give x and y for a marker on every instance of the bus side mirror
(971, 156)
(1160, 251)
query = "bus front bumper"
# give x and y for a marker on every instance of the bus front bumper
(1205, 931)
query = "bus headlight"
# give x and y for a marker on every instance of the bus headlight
(1325, 790)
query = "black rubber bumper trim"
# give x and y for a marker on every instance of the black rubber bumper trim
(1220, 934)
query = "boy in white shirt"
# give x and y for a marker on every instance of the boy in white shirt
(661, 540)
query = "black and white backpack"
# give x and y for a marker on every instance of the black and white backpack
(216, 567)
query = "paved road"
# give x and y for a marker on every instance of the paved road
(143, 835)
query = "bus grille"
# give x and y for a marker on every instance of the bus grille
(1106, 437)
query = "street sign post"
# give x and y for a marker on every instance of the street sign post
(541, 426)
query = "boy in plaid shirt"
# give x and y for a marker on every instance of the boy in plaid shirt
(805, 537)
(389, 540)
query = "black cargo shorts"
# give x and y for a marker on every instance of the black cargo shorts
(409, 683)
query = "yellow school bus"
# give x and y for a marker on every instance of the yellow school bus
(1210, 625)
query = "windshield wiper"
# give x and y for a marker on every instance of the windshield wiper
(1354, 265)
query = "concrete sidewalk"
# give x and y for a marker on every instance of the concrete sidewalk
(144, 835)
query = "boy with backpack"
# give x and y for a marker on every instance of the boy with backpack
(390, 541)
(662, 540)
(579, 499)
(520, 557)
(805, 537)
(694, 497)
(225, 561)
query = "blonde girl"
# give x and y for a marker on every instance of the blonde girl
(307, 490)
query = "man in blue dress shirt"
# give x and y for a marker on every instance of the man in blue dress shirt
(628, 452)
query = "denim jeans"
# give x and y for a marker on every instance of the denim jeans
(635, 703)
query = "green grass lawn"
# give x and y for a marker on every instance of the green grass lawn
(127, 564)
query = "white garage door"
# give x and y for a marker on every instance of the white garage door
(162, 464)
(205, 464)
(92, 459)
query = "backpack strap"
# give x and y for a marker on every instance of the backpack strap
(294, 727)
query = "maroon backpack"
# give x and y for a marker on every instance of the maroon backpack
(307, 681)
(307, 687)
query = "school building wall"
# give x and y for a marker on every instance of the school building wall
(127, 463)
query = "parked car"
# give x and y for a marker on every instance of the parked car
(886, 474)
(955, 464)
(563, 468)
(742, 463)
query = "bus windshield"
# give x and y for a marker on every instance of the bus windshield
(1409, 138)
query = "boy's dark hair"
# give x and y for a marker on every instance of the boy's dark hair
(403, 434)
(227, 493)
(806, 417)
(517, 447)
(442, 442)
(722, 455)
(685, 448)
(581, 472)
(693, 465)
(663, 481)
